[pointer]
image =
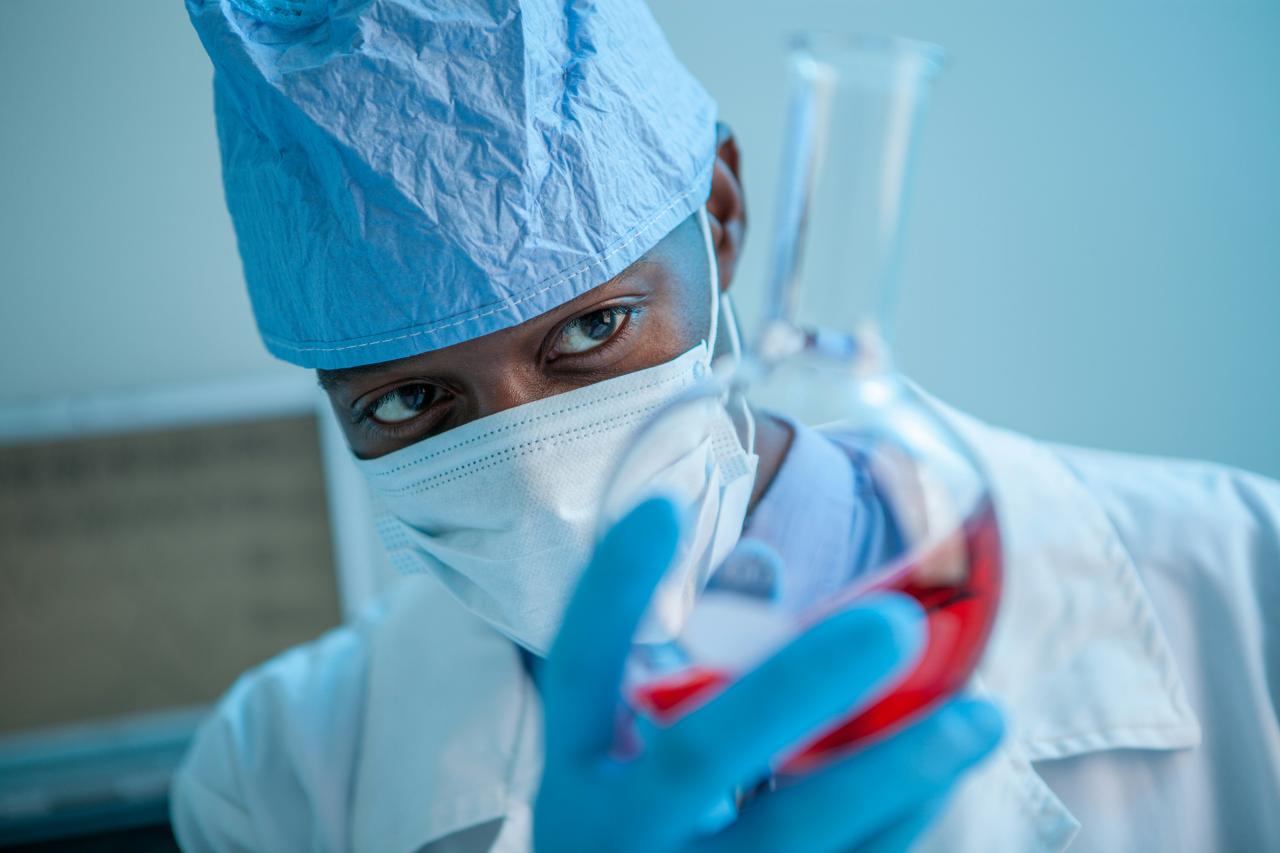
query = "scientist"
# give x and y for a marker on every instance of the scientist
(502, 232)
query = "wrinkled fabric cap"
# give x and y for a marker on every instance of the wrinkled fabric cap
(407, 174)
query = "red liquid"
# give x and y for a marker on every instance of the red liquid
(959, 614)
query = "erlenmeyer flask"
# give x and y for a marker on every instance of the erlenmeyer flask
(897, 501)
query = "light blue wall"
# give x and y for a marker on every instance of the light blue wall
(1094, 253)
(117, 261)
(1094, 249)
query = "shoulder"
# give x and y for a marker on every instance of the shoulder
(1205, 541)
(271, 767)
(338, 743)
(1175, 515)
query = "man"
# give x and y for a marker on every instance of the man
(500, 231)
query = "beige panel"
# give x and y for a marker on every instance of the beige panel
(147, 570)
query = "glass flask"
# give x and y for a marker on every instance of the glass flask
(912, 512)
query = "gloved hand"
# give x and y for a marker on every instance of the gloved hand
(880, 798)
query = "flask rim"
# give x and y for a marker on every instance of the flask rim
(869, 51)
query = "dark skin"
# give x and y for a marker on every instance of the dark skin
(655, 310)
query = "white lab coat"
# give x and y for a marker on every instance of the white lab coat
(1137, 655)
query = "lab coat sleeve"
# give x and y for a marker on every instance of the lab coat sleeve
(272, 768)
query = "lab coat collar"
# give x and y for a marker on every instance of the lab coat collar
(452, 732)
(1077, 652)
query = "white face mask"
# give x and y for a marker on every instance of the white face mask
(505, 510)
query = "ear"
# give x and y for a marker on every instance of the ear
(727, 206)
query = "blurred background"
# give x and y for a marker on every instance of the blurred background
(1093, 257)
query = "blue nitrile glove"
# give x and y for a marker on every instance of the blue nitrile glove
(880, 798)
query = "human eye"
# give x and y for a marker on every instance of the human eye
(402, 404)
(592, 330)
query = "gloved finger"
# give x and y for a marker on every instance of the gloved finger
(834, 667)
(871, 792)
(584, 669)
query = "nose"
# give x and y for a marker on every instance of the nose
(504, 386)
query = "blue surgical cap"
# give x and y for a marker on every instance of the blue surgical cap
(407, 174)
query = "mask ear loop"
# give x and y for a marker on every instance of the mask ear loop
(722, 315)
(713, 277)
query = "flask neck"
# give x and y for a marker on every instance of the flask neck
(855, 109)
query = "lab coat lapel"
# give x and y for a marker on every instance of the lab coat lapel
(1077, 651)
(452, 734)
(1076, 658)
(1002, 805)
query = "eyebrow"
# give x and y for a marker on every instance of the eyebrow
(332, 380)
